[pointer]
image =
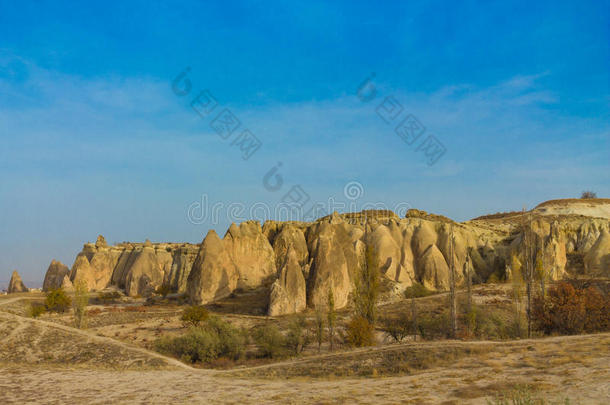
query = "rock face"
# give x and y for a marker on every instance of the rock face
(288, 291)
(214, 274)
(597, 259)
(16, 285)
(55, 275)
(298, 263)
(251, 253)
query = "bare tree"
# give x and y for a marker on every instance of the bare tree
(588, 194)
(529, 270)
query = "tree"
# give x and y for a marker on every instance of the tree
(319, 329)
(517, 291)
(298, 337)
(331, 317)
(452, 294)
(414, 318)
(193, 316)
(588, 194)
(81, 300)
(57, 300)
(366, 292)
(469, 310)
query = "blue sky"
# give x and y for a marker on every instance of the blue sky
(94, 140)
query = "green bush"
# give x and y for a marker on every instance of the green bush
(35, 310)
(417, 291)
(215, 338)
(193, 316)
(360, 332)
(109, 297)
(270, 341)
(298, 337)
(57, 300)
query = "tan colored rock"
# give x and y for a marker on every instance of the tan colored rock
(290, 237)
(251, 253)
(66, 284)
(55, 275)
(597, 259)
(145, 274)
(182, 263)
(387, 252)
(16, 284)
(214, 274)
(434, 272)
(329, 268)
(288, 291)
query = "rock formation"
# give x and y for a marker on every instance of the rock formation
(214, 274)
(16, 285)
(55, 275)
(298, 263)
(288, 291)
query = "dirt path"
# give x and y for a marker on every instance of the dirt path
(90, 336)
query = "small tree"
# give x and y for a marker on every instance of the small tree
(319, 329)
(331, 318)
(588, 194)
(81, 300)
(367, 287)
(297, 338)
(517, 291)
(397, 328)
(269, 340)
(193, 316)
(360, 332)
(57, 300)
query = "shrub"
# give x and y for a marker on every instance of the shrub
(215, 338)
(417, 291)
(360, 332)
(269, 340)
(569, 310)
(35, 310)
(109, 297)
(193, 316)
(57, 300)
(298, 336)
(397, 328)
(588, 194)
(435, 326)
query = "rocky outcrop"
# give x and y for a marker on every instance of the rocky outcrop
(16, 285)
(288, 291)
(251, 253)
(597, 259)
(55, 275)
(328, 254)
(334, 255)
(214, 274)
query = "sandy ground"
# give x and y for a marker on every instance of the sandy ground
(45, 362)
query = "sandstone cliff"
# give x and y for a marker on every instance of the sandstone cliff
(299, 262)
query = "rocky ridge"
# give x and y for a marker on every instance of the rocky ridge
(300, 262)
